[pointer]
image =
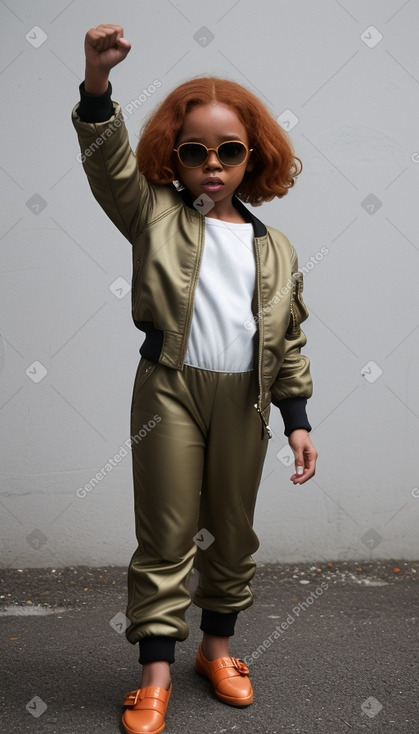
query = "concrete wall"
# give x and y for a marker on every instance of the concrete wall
(343, 78)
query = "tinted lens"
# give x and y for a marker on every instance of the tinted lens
(192, 154)
(232, 154)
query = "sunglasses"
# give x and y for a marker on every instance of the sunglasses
(229, 153)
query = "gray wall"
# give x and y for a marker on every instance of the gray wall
(69, 349)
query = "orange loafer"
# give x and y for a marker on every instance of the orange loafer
(229, 677)
(146, 710)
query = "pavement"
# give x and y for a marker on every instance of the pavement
(332, 648)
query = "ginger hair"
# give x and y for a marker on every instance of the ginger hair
(275, 166)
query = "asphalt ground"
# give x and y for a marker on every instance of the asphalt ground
(332, 648)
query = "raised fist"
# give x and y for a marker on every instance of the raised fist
(105, 47)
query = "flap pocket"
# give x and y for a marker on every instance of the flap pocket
(298, 310)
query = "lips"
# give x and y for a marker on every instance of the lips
(212, 182)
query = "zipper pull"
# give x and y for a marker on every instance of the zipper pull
(264, 423)
(268, 430)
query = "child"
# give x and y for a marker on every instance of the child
(219, 297)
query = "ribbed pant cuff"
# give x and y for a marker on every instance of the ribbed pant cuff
(155, 647)
(218, 623)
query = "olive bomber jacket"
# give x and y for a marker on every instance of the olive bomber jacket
(167, 236)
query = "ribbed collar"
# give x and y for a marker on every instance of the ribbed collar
(258, 226)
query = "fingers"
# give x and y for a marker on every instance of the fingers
(105, 47)
(108, 29)
(299, 463)
(107, 36)
(305, 462)
(305, 469)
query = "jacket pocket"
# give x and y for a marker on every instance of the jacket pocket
(298, 309)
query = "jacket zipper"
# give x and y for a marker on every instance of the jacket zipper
(265, 425)
(258, 405)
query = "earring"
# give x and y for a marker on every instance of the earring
(178, 185)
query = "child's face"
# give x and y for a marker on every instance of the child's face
(211, 125)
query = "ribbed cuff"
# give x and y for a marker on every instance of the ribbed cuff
(218, 623)
(154, 648)
(293, 411)
(95, 107)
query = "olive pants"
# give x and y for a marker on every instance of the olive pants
(197, 456)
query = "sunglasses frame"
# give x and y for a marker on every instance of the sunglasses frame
(228, 165)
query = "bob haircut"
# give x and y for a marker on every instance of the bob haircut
(274, 164)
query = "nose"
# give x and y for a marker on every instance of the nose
(212, 161)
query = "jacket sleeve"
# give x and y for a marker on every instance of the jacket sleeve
(110, 164)
(293, 384)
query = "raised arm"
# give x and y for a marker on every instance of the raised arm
(104, 47)
(105, 152)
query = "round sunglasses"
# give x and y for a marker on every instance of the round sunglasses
(229, 153)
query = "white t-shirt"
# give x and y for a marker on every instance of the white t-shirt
(223, 327)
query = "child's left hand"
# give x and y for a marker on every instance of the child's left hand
(305, 456)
